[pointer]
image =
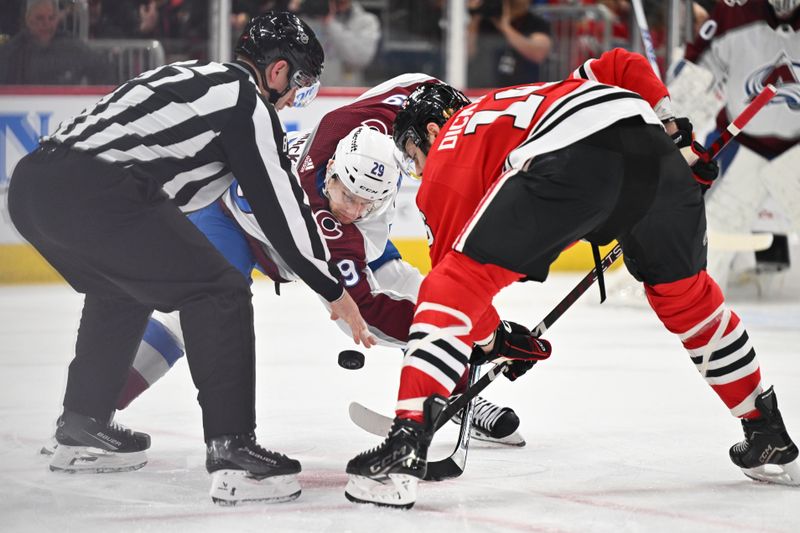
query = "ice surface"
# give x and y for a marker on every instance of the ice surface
(623, 435)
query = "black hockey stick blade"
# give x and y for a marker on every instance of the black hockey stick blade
(453, 465)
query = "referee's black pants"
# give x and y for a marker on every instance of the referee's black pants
(120, 241)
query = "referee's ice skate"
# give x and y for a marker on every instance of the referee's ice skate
(88, 445)
(242, 471)
(388, 474)
(767, 453)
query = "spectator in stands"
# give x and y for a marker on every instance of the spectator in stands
(11, 15)
(109, 19)
(349, 35)
(507, 43)
(180, 25)
(40, 55)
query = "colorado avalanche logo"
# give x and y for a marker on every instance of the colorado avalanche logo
(784, 74)
(331, 228)
(376, 124)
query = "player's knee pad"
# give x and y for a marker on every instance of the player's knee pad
(683, 304)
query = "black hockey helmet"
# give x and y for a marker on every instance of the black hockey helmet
(430, 102)
(282, 35)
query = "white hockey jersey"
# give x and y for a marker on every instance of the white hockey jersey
(746, 47)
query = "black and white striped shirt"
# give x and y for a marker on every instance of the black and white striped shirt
(193, 127)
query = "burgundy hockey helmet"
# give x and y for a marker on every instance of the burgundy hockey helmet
(430, 102)
(282, 35)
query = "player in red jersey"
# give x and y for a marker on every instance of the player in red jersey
(508, 183)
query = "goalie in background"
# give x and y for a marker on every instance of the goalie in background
(761, 165)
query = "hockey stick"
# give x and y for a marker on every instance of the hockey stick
(735, 127)
(647, 40)
(455, 462)
(739, 242)
(453, 466)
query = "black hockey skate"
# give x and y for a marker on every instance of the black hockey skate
(388, 475)
(767, 453)
(243, 471)
(88, 445)
(492, 423)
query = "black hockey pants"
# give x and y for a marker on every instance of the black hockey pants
(627, 181)
(119, 240)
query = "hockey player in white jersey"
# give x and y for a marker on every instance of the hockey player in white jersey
(747, 45)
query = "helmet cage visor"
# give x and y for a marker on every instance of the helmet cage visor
(305, 95)
(342, 195)
(410, 134)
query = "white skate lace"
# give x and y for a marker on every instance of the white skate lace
(486, 413)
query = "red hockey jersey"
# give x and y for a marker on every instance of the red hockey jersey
(509, 127)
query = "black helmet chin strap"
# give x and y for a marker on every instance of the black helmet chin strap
(274, 95)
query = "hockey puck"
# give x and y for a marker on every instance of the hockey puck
(351, 359)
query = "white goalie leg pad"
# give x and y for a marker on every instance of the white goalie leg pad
(231, 487)
(85, 459)
(788, 474)
(395, 490)
(732, 208)
(780, 178)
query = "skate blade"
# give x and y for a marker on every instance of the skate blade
(232, 487)
(88, 460)
(515, 439)
(398, 491)
(788, 474)
(48, 449)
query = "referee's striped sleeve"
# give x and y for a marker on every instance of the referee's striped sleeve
(279, 204)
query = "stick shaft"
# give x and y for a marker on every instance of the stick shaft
(741, 121)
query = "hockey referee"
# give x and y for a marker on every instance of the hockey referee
(102, 199)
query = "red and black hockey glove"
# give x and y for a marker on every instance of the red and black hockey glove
(514, 341)
(704, 169)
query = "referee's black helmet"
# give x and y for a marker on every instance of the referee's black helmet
(282, 35)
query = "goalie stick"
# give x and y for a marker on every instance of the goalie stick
(453, 466)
